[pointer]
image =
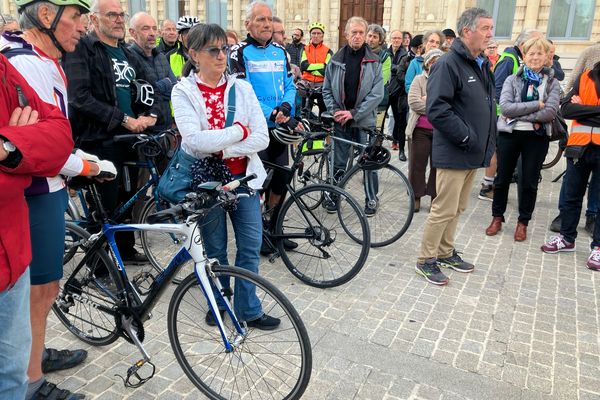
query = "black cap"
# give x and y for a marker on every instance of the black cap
(416, 41)
(449, 33)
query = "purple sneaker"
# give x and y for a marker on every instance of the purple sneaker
(557, 244)
(593, 261)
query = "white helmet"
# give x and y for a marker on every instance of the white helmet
(285, 136)
(186, 22)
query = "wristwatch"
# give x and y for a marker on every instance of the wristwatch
(125, 119)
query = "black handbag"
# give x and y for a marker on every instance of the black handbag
(560, 129)
(176, 181)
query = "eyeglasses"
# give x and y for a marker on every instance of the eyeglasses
(279, 32)
(215, 51)
(113, 16)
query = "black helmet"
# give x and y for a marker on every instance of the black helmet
(375, 157)
(142, 96)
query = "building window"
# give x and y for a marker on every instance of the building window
(503, 13)
(571, 19)
(136, 6)
(216, 12)
(172, 9)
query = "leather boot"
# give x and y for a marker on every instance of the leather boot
(495, 226)
(520, 232)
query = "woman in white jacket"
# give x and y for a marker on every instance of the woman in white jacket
(200, 102)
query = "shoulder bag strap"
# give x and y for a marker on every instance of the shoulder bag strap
(230, 107)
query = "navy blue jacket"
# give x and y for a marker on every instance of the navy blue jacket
(462, 110)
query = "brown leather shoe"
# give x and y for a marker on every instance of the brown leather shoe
(495, 226)
(520, 232)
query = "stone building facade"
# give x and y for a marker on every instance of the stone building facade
(572, 25)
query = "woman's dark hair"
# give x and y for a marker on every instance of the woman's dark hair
(198, 37)
(406, 33)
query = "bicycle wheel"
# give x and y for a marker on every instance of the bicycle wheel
(87, 298)
(394, 202)
(333, 242)
(159, 247)
(553, 155)
(263, 364)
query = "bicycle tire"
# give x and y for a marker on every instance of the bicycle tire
(553, 149)
(252, 368)
(159, 247)
(80, 303)
(328, 255)
(315, 171)
(396, 203)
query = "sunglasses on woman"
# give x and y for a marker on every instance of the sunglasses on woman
(214, 50)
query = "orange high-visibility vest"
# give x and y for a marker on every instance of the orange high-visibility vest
(313, 62)
(581, 134)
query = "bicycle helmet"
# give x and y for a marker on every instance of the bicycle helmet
(302, 88)
(83, 5)
(375, 157)
(142, 96)
(316, 25)
(285, 136)
(186, 22)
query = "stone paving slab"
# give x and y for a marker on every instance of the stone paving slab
(524, 325)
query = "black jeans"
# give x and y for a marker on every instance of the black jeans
(400, 112)
(532, 149)
(575, 182)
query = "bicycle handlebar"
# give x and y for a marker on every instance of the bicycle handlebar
(195, 202)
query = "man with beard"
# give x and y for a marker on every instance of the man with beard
(296, 47)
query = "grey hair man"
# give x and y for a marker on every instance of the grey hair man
(464, 138)
(8, 23)
(352, 90)
(168, 36)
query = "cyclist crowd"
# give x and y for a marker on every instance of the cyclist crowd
(458, 104)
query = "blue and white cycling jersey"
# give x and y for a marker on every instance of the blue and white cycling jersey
(268, 70)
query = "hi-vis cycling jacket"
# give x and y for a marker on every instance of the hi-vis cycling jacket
(268, 70)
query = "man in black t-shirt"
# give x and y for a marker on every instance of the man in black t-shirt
(100, 72)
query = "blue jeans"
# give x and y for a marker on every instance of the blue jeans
(247, 225)
(15, 339)
(575, 182)
(592, 198)
(341, 154)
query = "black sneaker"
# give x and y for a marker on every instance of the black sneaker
(266, 249)
(289, 244)
(264, 323)
(456, 263)
(590, 223)
(63, 359)
(430, 271)
(401, 155)
(49, 391)
(136, 258)
(486, 192)
(556, 224)
(210, 320)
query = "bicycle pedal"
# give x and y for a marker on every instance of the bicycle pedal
(133, 378)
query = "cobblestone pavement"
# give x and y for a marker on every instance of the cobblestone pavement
(524, 325)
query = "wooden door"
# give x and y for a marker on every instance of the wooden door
(371, 10)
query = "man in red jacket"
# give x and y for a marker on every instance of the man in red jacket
(35, 139)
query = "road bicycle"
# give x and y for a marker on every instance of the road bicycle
(158, 246)
(332, 245)
(384, 189)
(228, 359)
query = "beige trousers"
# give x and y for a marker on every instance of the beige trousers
(453, 190)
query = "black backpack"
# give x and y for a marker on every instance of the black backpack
(396, 85)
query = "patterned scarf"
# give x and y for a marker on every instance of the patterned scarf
(532, 82)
